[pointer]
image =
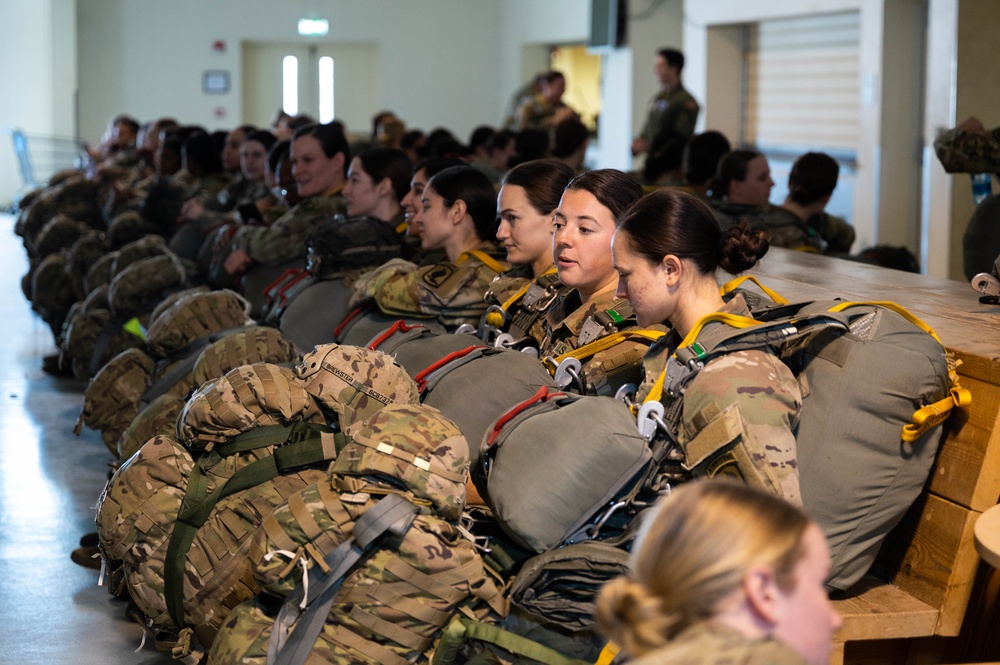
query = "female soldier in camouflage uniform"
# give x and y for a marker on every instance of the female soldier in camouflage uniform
(586, 308)
(459, 218)
(377, 181)
(667, 249)
(723, 574)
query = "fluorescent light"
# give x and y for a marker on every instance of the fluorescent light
(313, 26)
(326, 89)
(290, 84)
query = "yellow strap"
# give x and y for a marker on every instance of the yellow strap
(608, 654)
(493, 318)
(603, 343)
(731, 285)
(485, 258)
(934, 414)
(402, 227)
(734, 320)
(894, 307)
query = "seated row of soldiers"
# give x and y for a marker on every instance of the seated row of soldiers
(333, 247)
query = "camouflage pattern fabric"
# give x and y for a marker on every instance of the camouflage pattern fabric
(836, 232)
(285, 239)
(255, 395)
(710, 642)
(568, 322)
(52, 293)
(158, 418)
(81, 257)
(451, 292)
(671, 111)
(145, 248)
(169, 301)
(59, 233)
(961, 151)
(137, 288)
(352, 384)
(74, 197)
(194, 316)
(100, 273)
(111, 399)
(130, 226)
(783, 228)
(253, 345)
(750, 395)
(92, 337)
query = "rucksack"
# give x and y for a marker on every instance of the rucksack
(138, 287)
(383, 599)
(874, 361)
(112, 397)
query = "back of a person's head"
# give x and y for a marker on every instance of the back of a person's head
(412, 139)
(673, 57)
(480, 137)
(671, 221)
(613, 189)
(201, 154)
(431, 166)
(330, 137)
(568, 136)
(701, 156)
(531, 144)
(666, 154)
(263, 137)
(733, 167)
(692, 554)
(473, 187)
(543, 182)
(813, 177)
(441, 142)
(896, 257)
(391, 163)
(279, 151)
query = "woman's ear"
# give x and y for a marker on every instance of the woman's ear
(384, 188)
(458, 211)
(762, 593)
(672, 268)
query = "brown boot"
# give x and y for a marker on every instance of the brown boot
(88, 557)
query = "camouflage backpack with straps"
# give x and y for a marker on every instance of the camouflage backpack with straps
(137, 288)
(345, 584)
(872, 360)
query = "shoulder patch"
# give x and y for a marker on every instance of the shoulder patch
(438, 275)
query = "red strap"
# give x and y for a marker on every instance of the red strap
(543, 395)
(353, 314)
(275, 283)
(421, 378)
(398, 326)
(283, 291)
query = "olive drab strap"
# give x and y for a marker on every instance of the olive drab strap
(601, 344)
(484, 258)
(305, 443)
(304, 612)
(461, 629)
(931, 415)
(497, 316)
(732, 285)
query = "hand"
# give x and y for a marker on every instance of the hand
(237, 262)
(191, 210)
(639, 146)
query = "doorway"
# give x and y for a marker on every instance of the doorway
(275, 71)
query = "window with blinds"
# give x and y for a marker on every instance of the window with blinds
(802, 85)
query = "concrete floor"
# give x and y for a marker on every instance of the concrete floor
(51, 610)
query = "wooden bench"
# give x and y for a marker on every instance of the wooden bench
(922, 581)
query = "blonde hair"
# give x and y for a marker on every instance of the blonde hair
(693, 553)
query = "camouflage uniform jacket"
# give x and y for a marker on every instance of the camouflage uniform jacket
(783, 227)
(451, 292)
(763, 390)
(836, 232)
(710, 643)
(671, 110)
(568, 325)
(969, 152)
(523, 318)
(285, 239)
(535, 112)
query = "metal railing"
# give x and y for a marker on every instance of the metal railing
(41, 155)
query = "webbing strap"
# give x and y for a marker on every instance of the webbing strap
(732, 284)
(269, 290)
(198, 502)
(461, 630)
(608, 654)
(602, 344)
(496, 319)
(485, 258)
(934, 414)
(351, 316)
(398, 326)
(392, 513)
(421, 378)
(542, 395)
(898, 309)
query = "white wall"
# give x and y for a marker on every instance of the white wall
(37, 79)
(437, 58)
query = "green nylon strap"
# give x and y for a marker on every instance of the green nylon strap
(198, 503)
(461, 629)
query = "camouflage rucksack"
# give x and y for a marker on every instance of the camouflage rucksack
(193, 317)
(158, 418)
(100, 273)
(91, 337)
(82, 256)
(59, 233)
(386, 599)
(52, 293)
(137, 288)
(111, 399)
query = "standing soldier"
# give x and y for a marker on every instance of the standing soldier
(673, 109)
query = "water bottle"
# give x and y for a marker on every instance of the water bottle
(981, 187)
